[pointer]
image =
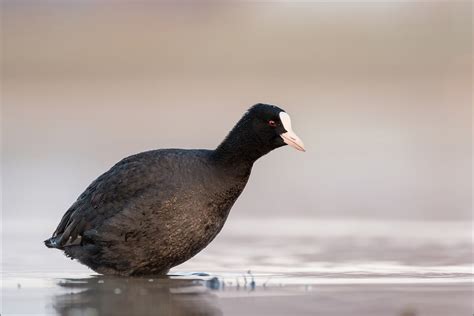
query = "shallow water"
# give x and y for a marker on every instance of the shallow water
(261, 267)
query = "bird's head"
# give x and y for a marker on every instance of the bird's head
(272, 125)
(263, 128)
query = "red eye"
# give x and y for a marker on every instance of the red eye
(272, 123)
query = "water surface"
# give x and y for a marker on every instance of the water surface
(261, 267)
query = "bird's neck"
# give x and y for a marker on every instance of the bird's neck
(241, 148)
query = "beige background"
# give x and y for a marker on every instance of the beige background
(379, 92)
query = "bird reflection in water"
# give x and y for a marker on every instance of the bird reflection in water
(137, 296)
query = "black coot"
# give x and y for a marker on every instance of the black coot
(157, 209)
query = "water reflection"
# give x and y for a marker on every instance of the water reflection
(136, 296)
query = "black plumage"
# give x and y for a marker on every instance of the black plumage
(156, 209)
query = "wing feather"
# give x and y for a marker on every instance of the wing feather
(106, 197)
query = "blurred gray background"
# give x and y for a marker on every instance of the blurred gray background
(381, 93)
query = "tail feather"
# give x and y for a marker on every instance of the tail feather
(52, 243)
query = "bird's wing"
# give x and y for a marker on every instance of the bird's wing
(106, 197)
